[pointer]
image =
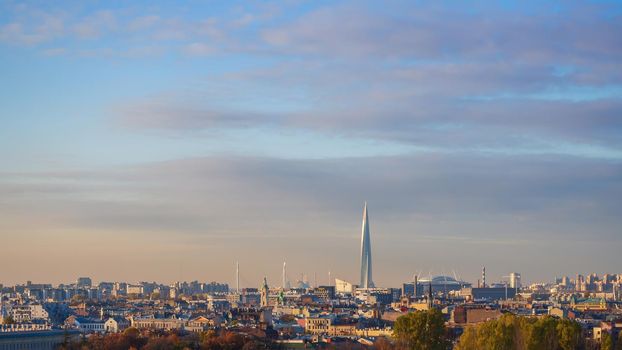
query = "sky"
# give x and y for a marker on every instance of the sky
(164, 141)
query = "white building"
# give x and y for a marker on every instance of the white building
(28, 313)
(134, 289)
(342, 286)
(116, 325)
(85, 325)
(157, 323)
(515, 280)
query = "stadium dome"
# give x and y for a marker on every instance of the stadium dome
(441, 283)
(440, 280)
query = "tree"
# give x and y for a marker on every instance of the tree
(132, 336)
(255, 344)
(421, 330)
(504, 333)
(224, 341)
(544, 334)
(382, 343)
(468, 339)
(569, 335)
(8, 320)
(523, 333)
(207, 335)
(606, 342)
(131, 332)
(619, 342)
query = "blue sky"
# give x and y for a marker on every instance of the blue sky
(164, 124)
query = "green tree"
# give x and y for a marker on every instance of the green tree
(606, 342)
(543, 335)
(8, 320)
(499, 334)
(468, 339)
(421, 330)
(511, 332)
(569, 335)
(619, 342)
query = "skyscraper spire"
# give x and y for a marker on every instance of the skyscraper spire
(366, 280)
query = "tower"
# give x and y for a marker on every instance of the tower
(415, 283)
(366, 279)
(284, 282)
(483, 276)
(237, 277)
(515, 280)
(430, 296)
(264, 293)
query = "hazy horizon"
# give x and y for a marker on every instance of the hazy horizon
(161, 142)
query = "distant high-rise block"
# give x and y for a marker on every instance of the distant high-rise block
(515, 280)
(366, 280)
(84, 282)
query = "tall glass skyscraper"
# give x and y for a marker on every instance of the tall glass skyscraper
(366, 280)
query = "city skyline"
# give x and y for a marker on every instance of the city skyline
(511, 281)
(161, 141)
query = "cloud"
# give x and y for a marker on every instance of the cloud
(162, 113)
(430, 105)
(426, 30)
(199, 49)
(545, 191)
(56, 51)
(571, 33)
(48, 27)
(249, 204)
(98, 24)
(143, 22)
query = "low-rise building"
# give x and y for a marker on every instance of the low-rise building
(488, 293)
(343, 287)
(317, 325)
(342, 327)
(116, 324)
(199, 324)
(85, 324)
(588, 304)
(465, 314)
(330, 325)
(157, 323)
(24, 327)
(28, 312)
